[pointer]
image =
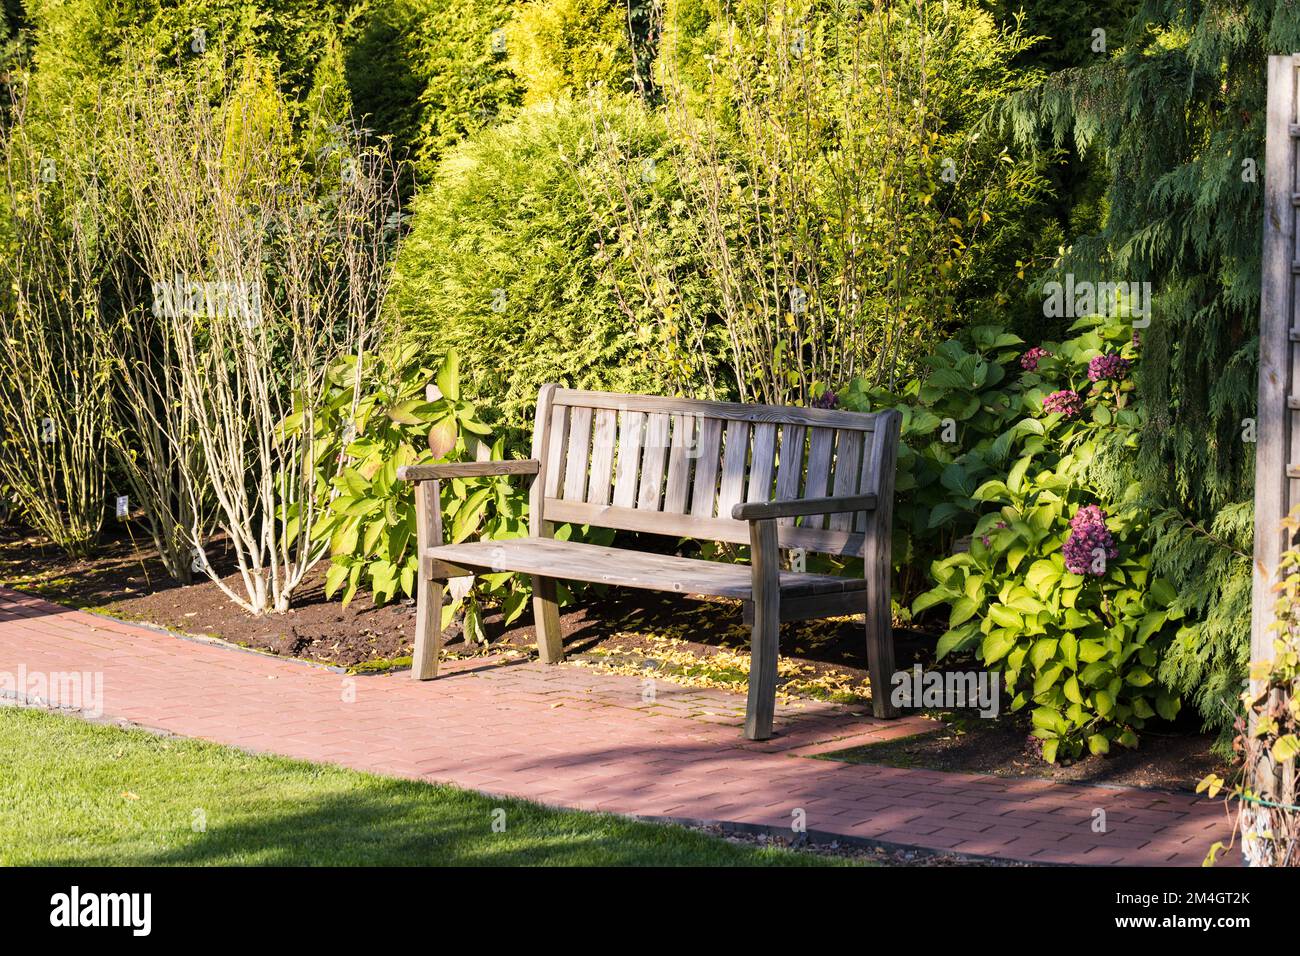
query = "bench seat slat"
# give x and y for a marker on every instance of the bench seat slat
(576, 561)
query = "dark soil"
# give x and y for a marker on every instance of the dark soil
(125, 580)
(1167, 758)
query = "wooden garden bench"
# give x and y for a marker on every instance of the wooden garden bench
(768, 476)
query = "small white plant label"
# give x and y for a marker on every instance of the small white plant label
(798, 301)
(47, 431)
(199, 561)
(798, 560)
(123, 506)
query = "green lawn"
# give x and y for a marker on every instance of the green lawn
(73, 793)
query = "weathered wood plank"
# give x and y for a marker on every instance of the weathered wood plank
(821, 445)
(765, 635)
(707, 461)
(631, 430)
(543, 422)
(679, 464)
(846, 543)
(835, 505)
(790, 470)
(848, 475)
(762, 463)
(604, 433)
(735, 457)
(877, 562)
(579, 453)
(546, 619)
(728, 411)
(548, 448)
(652, 469)
(551, 479)
(579, 561)
(1274, 449)
(469, 469)
(428, 594)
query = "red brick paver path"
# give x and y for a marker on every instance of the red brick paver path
(568, 736)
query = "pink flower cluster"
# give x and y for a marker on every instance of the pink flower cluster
(1029, 361)
(1088, 534)
(1066, 402)
(997, 527)
(1109, 366)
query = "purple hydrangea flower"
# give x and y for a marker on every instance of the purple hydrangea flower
(1108, 366)
(1088, 534)
(986, 539)
(1029, 361)
(827, 399)
(1066, 401)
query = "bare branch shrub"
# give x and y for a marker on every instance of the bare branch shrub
(58, 237)
(260, 264)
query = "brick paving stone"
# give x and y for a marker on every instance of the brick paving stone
(570, 736)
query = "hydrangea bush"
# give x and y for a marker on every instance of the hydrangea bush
(1056, 589)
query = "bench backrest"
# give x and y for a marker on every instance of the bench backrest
(676, 466)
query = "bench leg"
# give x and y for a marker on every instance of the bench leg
(546, 619)
(880, 642)
(765, 637)
(428, 629)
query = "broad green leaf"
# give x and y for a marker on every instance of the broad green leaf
(963, 609)
(996, 646)
(1044, 650)
(1285, 748)
(334, 578)
(448, 379)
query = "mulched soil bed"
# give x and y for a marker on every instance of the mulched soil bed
(1169, 758)
(625, 630)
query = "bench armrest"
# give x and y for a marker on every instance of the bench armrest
(797, 507)
(468, 469)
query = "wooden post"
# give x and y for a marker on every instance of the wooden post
(877, 565)
(428, 602)
(546, 608)
(1277, 489)
(765, 637)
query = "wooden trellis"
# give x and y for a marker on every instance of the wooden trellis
(1277, 453)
